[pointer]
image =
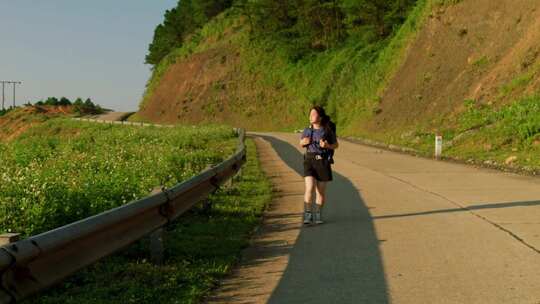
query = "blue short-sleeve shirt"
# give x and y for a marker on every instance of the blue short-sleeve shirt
(316, 136)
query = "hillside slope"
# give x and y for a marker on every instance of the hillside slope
(211, 80)
(210, 86)
(467, 70)
(465, 51)
(18, 120)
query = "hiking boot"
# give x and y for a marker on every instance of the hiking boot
(317, 218)
(317, 214)
(308, 217)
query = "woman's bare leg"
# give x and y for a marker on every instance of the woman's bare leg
(310, 186)
(320, 189)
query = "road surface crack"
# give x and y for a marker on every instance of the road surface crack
(457, 204)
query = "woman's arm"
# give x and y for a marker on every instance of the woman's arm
(324, 144)
(331, 141)
(305, 138)
(304, 141)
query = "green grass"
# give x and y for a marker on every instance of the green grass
(18, 113)
(485, 133)
(135, 117)
(517, 123)
(481, 62)
(446, 2)
(200, 249)
(519, 82)
(60, 170)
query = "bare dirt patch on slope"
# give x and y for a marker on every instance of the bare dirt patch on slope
(19, 120)
(464, 51)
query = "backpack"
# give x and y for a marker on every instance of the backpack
(328, 152)
(331, 151)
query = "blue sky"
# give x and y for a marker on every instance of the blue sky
(78, 48)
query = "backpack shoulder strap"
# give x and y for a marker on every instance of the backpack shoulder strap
(310, 136)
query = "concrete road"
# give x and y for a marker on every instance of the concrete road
(113, 116)
(399, 229)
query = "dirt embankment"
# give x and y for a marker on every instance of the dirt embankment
(211, 86)
(464, 51)
(14, 123)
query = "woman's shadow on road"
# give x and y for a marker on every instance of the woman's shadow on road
(338, 261)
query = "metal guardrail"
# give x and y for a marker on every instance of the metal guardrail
(123, 122)
(33, 264)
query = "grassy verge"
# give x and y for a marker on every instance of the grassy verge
(509, 134)
(505, 136)
(200, 249)
(58, 170)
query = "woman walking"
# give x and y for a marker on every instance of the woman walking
(320, 140)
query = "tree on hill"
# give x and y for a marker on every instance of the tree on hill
(86, 107)
(379, 16)
(301, 27)
(179, 23)
(79, 106)
(64, 102)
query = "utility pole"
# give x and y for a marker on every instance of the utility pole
(4, 82)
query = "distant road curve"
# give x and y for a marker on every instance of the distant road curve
(112, 116)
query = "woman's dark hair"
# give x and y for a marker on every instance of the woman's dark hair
(325, 119)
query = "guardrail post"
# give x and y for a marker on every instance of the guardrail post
(238, 174)
(156, 246)
(206, 203)
(156, 240)
(8, 238)
(207, 206)
(229, 182)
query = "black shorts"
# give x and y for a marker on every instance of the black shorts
(320, 169)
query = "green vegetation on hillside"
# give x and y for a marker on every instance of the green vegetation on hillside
(61, 170)
(347, 78)
(299, 28)
(5, 111)
(342, 54)
(179, 23)
(201, 247)
(336, 53)
(316, 53)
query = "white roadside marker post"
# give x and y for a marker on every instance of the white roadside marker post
(438, 146)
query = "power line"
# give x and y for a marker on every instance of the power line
(4, 82)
